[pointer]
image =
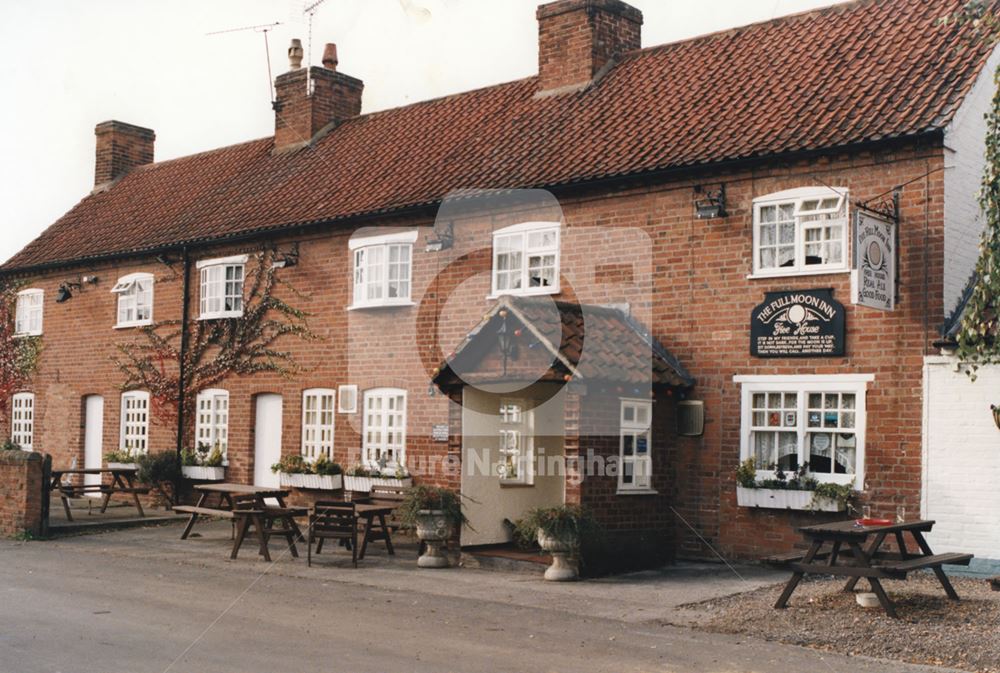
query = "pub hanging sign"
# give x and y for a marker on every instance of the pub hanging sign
(798, 324)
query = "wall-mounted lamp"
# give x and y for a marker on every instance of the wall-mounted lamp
(442, 238)
(164, 259)
(712, 204)
(996, 415)
(65, 292)
(283, 260)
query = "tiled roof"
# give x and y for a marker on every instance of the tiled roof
(591, 343)
(847, 74)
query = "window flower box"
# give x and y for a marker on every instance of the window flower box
(123, 466)
(318, 482)
(773, 498)
(202, 473)
(365, 484)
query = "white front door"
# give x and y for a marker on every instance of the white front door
(93, 439)
(267, 440)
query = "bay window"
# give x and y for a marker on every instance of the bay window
(383, 268)
(801, 231)
(222, 287)
(29, 311)
(814, 421)
(526, 259)
(135, 300)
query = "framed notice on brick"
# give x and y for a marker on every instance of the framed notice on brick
(875, 261)
(798, 324)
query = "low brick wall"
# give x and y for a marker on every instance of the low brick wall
(21, 497)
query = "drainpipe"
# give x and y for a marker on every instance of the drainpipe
(181, 392)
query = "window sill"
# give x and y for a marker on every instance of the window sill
(24, 335)
(530, 293)
(221, 316)
(398, 304)
(762, 275)
(132, 325)
(637, 491)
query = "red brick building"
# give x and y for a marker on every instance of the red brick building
(433, 305)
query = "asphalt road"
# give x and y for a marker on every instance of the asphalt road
(77, 606)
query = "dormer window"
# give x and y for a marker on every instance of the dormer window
(526, 259)
(222, 287)
(801, 231)
(135, 300)
(30, 306)
(383, 267)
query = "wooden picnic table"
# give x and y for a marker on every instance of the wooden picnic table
(852, 555)
(370, 511)
(122, 481)
(246, 506)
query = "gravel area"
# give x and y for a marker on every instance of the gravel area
(930, 629)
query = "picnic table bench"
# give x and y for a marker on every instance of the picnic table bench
(847, 542)
(248, 509)
(122, 481)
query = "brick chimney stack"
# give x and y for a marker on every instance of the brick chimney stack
(309, 99)
(120, 148)
(577, 38)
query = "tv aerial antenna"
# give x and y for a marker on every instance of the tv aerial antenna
(263, 28)
(310, 10)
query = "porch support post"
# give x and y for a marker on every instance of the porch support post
(575, 468)
(455, 438)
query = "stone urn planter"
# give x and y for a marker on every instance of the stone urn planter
(202, 473)
(562, 569)
(433, 529)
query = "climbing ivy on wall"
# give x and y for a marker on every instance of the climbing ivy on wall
(979, 332)
(217, 349)
(18, 354)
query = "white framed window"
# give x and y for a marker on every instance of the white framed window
(526, 259)
(792, 421)
(29, 312)
(318, 423)
(22, 420)
(135, 422)
(135, 300)
(801, 231)
(516, 443)
(212, 426)
(222, 287)
(635, 469)
(384, 431)
(383, 269)
(347, 399)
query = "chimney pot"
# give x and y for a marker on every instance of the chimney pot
(330, 56)
(295, 54)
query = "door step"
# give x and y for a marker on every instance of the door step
(505, 559)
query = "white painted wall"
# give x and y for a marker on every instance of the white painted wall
(965, 148)
(489, 502)
(961, 466)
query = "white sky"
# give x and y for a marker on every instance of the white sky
(66, 65)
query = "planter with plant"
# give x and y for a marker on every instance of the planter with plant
(800, 492)
(559, 531)
(297, 472)
(121, 459)
(203, 463)
(158, 470)
(437, 514)
(9, 445)
(361, 479)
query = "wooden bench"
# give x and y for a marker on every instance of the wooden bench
(935, 561)
(205, 511)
